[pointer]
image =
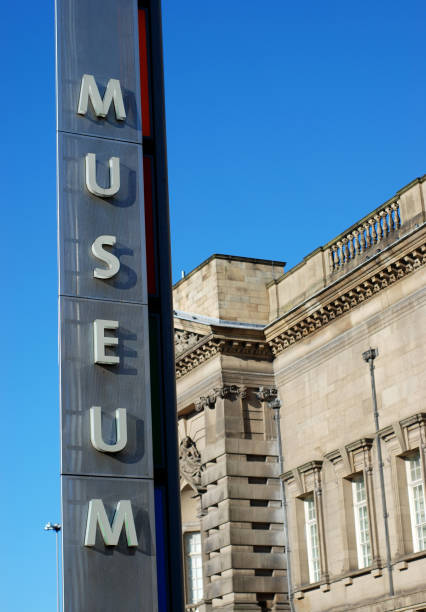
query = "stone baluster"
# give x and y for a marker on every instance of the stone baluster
(372, 225)
(352, 252)
(331, 258)
(367, 235)
(378, 225)
(389, 220)
(357, 242)
(339, 253)
(383, 223)
(396, 219)
(362, 241)
(345, 255)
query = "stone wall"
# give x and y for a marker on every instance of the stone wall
(229, 288)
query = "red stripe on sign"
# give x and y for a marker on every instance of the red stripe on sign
(149, 225)
(143, 65)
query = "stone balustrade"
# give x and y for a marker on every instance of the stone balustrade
(364, 235)
(388, 223)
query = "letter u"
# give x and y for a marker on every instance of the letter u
(114, 175)
(96, 430)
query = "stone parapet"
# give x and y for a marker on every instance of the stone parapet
(370, 235)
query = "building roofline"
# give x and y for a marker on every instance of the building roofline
(204, 320)
(398, 194)
(264, 262)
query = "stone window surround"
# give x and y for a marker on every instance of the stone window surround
(307, 480)
(403, 436)
(353, 458)
(401, 439)
(350, 461)
(361, 461)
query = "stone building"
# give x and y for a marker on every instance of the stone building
(249, 336)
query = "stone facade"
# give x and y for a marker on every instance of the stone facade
(248, 335)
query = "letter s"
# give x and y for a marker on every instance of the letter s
(109, 259)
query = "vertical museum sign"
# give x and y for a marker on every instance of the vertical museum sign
(106, 451)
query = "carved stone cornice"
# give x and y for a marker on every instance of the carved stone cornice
(307, 477)
(416, 419)
(204, 351)
(184, 340)
(311, 466)
(346, 299)
(214, 344)
(338, 299)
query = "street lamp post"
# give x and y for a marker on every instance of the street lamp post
(56, 527)
(369, 357)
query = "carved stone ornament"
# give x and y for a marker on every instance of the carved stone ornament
(231, 392)
(184, 340)
(205, 402)
(266, 394)
(190, 464)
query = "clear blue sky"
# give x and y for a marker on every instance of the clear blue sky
(284, 127)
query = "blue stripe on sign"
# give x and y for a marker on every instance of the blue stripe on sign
(162, 582)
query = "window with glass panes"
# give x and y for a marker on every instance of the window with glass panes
(312, 541)
(194, 569)
(417, 501)
(362, 523)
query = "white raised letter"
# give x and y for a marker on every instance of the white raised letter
(100, 341)
(89, 89)
(114, 177)
(111, 534)
(111, 260)
(96, 430)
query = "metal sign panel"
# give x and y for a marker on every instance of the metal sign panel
(109, 560)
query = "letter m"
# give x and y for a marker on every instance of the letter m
(110, 533)
(113, 93)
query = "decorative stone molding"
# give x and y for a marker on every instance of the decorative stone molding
(226, 392)
(266, 394)
(203, 352)
(213, 345)
(205, 402)
(359, 454)
(184, 340)
(190, 464)
(340, 455)
(349, 299)
(306, 477)
(408, 434)
(231, 392)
